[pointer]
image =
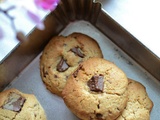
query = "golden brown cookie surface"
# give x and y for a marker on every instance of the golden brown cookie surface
(62, 56)
(96, 90)
(15, 105)
(139, 104)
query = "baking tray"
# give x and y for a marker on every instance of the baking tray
(21, 68)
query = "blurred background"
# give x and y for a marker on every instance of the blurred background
(140, 17)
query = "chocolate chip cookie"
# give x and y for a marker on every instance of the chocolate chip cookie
(15, 105)
(139, 104)
(97, 90)
(61, 57)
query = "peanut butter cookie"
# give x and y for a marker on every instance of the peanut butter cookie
(97, 90)
(139, 104)
(61, 57)
(15, 105)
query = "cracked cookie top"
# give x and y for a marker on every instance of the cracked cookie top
(15, 105)
(61, 57)
(97, 90)
(139, 104)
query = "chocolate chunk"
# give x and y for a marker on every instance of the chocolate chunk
(64, 44)
(14, 103)
(99, 116)
(62, 65)
(55, 76)
(96, 83)
(45, 73)
(77, 51)
(76, 72)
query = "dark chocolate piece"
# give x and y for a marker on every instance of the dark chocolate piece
(62, 65)
(76, 72)
(45, 73)
(99, 116)
(55, 76)
(14, 103)
(96, 83)
(77, 51)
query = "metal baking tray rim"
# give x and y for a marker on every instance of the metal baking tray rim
(68, 12)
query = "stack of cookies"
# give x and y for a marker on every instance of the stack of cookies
(92, 88)
(62, 56)
(99, 90)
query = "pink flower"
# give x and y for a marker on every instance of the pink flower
(36, 19)
(47, 4)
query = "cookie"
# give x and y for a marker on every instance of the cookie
(15, 105)
(61, 57)
(97, 90)
(139, 104)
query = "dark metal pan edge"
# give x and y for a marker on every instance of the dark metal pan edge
(129, 44)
